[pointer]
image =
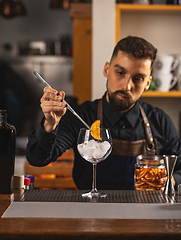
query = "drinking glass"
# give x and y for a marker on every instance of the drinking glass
(94, 150)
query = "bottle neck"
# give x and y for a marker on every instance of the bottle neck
(3, 117)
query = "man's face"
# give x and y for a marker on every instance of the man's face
(127, 78)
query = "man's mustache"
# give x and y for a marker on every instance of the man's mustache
(122, 92)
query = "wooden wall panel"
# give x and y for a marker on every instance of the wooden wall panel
(82, 59)
(82, 50)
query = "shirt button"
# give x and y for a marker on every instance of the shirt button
(124, 126)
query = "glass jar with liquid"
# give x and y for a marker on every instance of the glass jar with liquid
(149, 169)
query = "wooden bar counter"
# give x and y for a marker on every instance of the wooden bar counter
(42, 228)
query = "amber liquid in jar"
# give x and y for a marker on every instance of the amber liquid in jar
(148, 172)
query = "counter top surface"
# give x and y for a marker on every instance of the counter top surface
(42, 228)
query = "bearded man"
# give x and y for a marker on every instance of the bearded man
(136, 127)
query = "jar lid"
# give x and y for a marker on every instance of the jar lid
(150, 159)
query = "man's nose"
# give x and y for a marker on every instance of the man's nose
(127, 83)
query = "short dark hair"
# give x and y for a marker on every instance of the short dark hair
(135, 47)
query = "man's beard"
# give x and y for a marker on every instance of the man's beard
(119, 104)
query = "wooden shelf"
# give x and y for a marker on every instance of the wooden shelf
(171, 94)
(141, 8)
(56, 183)
(56, 174)
(149, 7)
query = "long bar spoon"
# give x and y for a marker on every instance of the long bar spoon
(68, 106)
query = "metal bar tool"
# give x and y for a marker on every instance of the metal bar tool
(68, 106)
(169, 161)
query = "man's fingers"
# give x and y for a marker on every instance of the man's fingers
(52, 106)
(62, 94)
(50, 97)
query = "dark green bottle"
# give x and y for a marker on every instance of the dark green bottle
(7, 153)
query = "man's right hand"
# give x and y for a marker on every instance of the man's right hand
(53, 108)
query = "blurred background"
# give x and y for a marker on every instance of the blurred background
(40, 39)
(68, 42)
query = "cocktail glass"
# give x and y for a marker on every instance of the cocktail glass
(94, 150)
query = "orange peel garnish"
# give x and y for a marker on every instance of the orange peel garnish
(95, 129)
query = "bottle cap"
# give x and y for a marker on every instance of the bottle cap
(32, 178)
(27, 181)
(18, 181)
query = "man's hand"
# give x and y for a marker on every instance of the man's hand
(53, 108)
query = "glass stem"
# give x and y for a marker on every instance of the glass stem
(94, 188)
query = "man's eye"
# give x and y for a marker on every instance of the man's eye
(138, 79)
(120, 73)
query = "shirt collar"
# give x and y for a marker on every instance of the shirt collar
(114, 116)
(133, 114)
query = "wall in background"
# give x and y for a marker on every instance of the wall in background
(161, 29)
(103, 41)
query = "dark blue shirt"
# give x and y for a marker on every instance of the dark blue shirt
(44, 147)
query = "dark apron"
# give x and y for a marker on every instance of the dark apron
(116, 172)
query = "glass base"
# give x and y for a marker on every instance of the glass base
(94, 194)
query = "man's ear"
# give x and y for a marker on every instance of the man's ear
(146, 88)
(148, 83)
(106, 69)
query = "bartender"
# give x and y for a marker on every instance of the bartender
(136, 127)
